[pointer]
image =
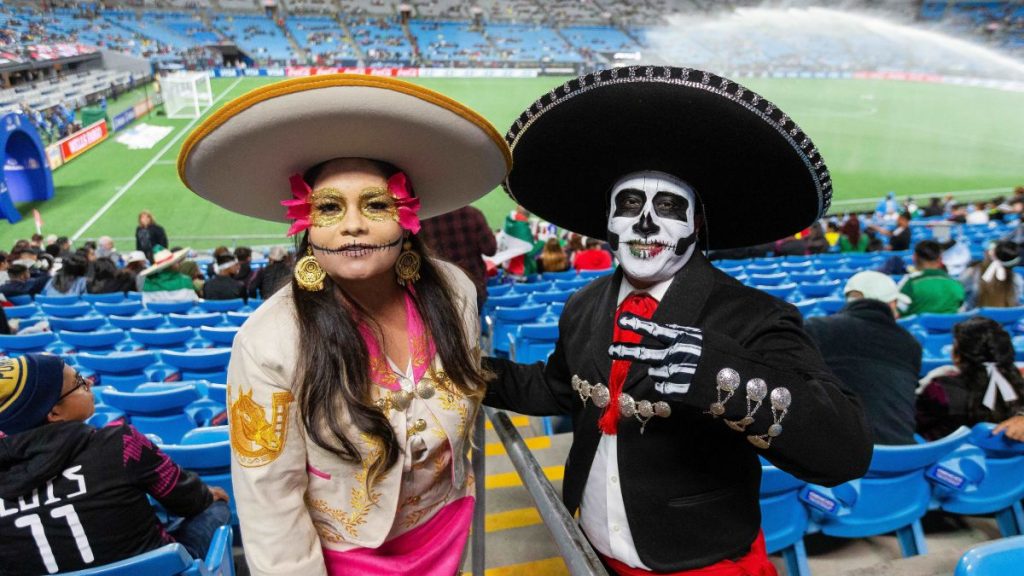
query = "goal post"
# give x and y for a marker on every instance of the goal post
(186, 94)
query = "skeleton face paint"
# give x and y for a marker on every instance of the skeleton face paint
(650, 225)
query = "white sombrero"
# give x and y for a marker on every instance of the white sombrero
(242, 156)
(164, 258)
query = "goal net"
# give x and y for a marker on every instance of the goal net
(186, 94)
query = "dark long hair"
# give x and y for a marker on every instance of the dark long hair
(979, 340)
(851, 229)
(333, 372)
(998, 293)
(74, 267)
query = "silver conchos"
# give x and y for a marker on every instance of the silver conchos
(781, 400)
(728, 380)
(629, 407)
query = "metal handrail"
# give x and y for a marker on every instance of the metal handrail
(573, 547)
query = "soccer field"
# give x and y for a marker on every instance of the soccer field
(876, 136)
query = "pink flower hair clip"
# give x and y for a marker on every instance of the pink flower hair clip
(298, 207)
(408, 206)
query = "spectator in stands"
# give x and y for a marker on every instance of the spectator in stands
(984, 384)
(98, 481)
(817, 243)
(930, 288)
(4, 264)
(162, 280)
(832, 233)
(552, 258)
(899, 237)
(108, 279)
(979, 215)
(70, 279)
(594, 257)
(275, 274)
(105, 249)
(211, 268)
(245, 273)
(134, 263)
(20, 283)
(225, 285)
(149, 235)
(63, 247)
(934, 207)
(462, 237)
(851, 238)
(993, 282)
(887, 208)
(958, 214)
(191, 269)
(873, 356)
(574, 244)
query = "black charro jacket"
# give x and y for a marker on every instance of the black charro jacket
(690, 483)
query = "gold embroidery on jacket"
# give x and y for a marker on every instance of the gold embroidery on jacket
(363, 497)
(256, 440)
(452, 399)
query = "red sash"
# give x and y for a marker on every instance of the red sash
(755, 563)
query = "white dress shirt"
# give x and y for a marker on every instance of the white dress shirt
(602, 512)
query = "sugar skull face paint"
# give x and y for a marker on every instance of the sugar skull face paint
(651, 225)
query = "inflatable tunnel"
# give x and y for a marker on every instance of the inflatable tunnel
(26, 176)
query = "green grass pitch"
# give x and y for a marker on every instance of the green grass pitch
(875, 136)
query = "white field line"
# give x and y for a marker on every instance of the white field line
(871, 201)
(124, 189)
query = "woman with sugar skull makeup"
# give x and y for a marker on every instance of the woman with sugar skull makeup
(677, 377)
(352, 391)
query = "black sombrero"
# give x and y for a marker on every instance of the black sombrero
(758, 176)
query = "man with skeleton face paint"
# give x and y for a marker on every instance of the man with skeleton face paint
(677, 377)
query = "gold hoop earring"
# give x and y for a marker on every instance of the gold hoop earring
(407, 267)
(308, 273)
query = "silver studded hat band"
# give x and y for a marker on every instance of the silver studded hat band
(743, 156)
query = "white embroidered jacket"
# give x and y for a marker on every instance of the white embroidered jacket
(295, 498)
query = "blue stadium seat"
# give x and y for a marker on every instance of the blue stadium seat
(75, 310)
(551, 296)
(174, 560)
(809, 276)
(180, 307)
(1005, 316)
(162, 337)
(508, 301)
(97, 341)
(149, 402)
(111, 298)
(762, 269)
(144, 321)
(499, 290)
(891, 497)
(202, 363)
(533, 342)
(938, 345)
(572, 285)
(169, 429)
(18, 344)
(505, 320)
(83, 324)
(122, 308)
(219, 335)
(24, 311)
(781, 291)
(57, 300)
(196, 320)
(533, 287)
(116, 362)
(775, 279)
(20, 300)
(831, 305)
(565, 275)
(824, 289)
(935, 323)
(591, 274)
(999, 558)
(221, 305)
(983, 477)
(783, 518)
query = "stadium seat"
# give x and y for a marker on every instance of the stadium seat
(533, 342)
(564, 275)
(144, 321)
(18, 344)
(174, 560)
(116, 362)
(551, 296)
(76, 310)
(83, 324)
(831, 305)
(219, 335)
(937, 345)
(999, 558)
(1005, 316)
(148, 402)
(180, 307)
(783, 518)
(891, 497)
(572, 285)
(203, 363)
(57, 300)
(820, 289)
(768, 279)
(498, 290)
(781, 291)
(533, 287)
(508, 301)
(936, 323)
(237, 318)
(112, 298)
(983, 477)
(505, 320)
(162, 337)
(122, 308)
(20, 300)
(221, 305)
(809, 276)
(591, 274)
(97, 341)
(24, 311)
(196, 320)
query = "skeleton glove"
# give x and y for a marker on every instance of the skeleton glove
(671, 368)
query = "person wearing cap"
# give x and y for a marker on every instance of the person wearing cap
(73, 496)
(992, 283)
(930, 288)
(224, 286)
(677, 376)
(273, 276)
(134, 263)
(353, 389)
(163, 282)
(873, 356)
